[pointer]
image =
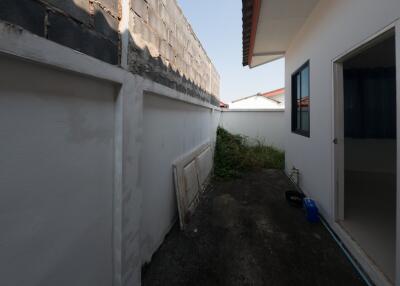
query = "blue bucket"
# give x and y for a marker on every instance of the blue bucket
(311, 210)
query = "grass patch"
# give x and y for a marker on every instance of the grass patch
(234, 156)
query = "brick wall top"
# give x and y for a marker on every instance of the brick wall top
(161, 32)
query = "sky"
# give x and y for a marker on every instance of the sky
(218, 25)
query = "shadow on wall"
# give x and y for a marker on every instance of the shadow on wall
(140, 61)
(91, 27)
(85, 26)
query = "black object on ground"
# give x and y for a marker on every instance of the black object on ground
(243, 233)
(295, 198)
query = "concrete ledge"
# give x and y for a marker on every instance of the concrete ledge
(153, 88)
(19, 42)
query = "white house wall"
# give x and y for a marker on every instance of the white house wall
(263, 126)
(171, 128)
(333, 28)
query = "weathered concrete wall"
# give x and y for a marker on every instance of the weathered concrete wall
(161, 44)
(265, 126)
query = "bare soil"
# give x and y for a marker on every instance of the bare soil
(245, 233)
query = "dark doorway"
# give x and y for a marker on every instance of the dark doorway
(369, 80)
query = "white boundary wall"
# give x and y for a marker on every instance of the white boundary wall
(265, 126)
(333, 29)
(171, 128)
(125, 114)
(57, 176)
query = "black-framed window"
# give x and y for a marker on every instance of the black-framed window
(301, 100)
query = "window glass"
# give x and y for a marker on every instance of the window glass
(298, 100)
(301, 101)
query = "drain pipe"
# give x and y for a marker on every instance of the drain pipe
(348, 255)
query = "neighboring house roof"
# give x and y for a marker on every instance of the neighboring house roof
(247, 97)
(223, 104)
(274, 93)
(267, 95)
(267, 100)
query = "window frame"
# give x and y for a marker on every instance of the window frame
(294, 77)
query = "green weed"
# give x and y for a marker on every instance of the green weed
(234, 155)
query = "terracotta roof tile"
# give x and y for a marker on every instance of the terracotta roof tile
(274, 92)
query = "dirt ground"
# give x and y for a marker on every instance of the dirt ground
(245, 233)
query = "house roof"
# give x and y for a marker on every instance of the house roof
(250, 11)
(269, 27)
(267, 95)
(223, 104)
(274, 93)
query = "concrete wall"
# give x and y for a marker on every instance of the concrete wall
(72, 202)
(149, 38)
(87, 26)
(164, 48)
(266, 126)
(170, 129)
(333, 28)
(57, 179)
(139, 46)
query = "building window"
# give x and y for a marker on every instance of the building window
(301, 100)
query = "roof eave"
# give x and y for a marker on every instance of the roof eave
(269, 26)
(251, 14)
(254, 26)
